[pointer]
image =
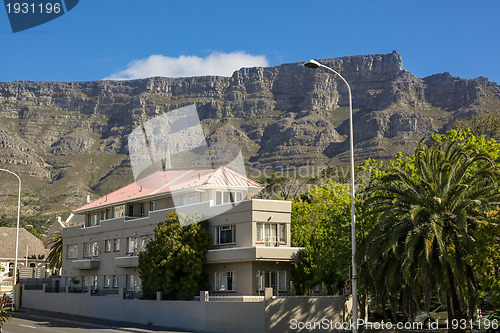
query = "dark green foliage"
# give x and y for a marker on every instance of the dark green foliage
(173, 262)
(56, 247)
(429, 207)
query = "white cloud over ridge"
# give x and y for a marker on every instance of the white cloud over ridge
(216, 63)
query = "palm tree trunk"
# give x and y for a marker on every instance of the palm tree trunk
(457, 314)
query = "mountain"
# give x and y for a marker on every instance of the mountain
(68, 139)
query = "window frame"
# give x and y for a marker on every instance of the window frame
(107, 281)
(225, 228)
(107, 245)
(74, 251)
(116, 245)
(223, 276)
(280, 230)
(131, 241)
(224, 197)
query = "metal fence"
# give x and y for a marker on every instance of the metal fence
(132, 294)
(214, 298)
(50, 289)
(105, 292)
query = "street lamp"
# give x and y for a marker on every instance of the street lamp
(315, 64)
(14, 300)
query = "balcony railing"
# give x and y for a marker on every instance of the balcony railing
(6, 282)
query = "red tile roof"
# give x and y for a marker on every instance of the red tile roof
(171, 180)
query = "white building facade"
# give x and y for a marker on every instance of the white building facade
(251, 238)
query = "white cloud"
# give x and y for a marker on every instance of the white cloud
(217, 63)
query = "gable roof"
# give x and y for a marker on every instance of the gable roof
(26, 240)
(172, 180)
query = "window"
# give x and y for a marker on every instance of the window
(107, 245)
(115, 281)
(189, 199)
(110, 213)
(225, 281)
(130, 210)
(272, 279)
(86, 250)
(152, 206)
(132, 244)
(90, 249)
(92, 220)
(143, 243)
(72, 251)
(271, 234)
(222, 197)
(116, 244)
(89, 282)
(11, 269)
(107, 281)
(134, 283)
(103, 215)
(94, 249)
(141, 209)
(225, 234)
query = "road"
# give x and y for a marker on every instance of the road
(31, 321)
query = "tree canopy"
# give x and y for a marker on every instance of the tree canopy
(173, 262)
(321, 223)
(56, 247)
(429, 207)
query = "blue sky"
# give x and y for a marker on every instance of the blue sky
(102, 38)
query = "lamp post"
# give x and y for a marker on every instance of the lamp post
(14, 299)
(315, 64)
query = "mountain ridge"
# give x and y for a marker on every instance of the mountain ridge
(67, 139)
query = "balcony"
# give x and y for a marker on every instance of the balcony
(253, 254)
(127, 261)
(91, 263)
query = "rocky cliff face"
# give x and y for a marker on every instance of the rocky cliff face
(70, 138)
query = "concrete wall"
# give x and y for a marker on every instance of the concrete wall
(190, 315)
(320, 314)
(273, 315)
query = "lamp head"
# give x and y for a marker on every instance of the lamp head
(312, 64)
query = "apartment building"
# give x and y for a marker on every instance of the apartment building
(251, 237)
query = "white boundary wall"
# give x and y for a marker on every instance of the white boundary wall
(271, 315)
(188, 315)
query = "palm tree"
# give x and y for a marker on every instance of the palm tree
(56, 246)
(427, 214)
(4, 314)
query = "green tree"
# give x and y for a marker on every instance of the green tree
(56, 247)
(173, 262)
(487, 125)
(487, 261)
(321, 223)
(428, 207)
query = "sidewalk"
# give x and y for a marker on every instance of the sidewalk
(88, 322)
